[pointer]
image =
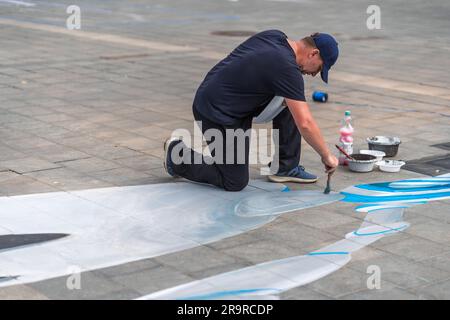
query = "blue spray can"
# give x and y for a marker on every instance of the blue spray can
(320, 96)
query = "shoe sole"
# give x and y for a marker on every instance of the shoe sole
(291, 179)
(166, 147)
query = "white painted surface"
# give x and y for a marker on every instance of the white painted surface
(271, 278)
(111, 226)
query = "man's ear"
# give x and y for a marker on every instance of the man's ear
(315, 52)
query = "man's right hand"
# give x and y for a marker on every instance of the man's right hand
(330, 162)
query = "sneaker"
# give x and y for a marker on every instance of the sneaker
(168, 146)
(298, 174)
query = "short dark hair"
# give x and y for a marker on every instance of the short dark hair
(310, 40)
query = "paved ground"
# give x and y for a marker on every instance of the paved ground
(90, 108)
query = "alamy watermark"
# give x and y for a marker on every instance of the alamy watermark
(374, 280)
(228, 146)
(74, 280)
(373, 22)
(73, 22)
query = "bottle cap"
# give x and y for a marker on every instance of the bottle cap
(348, 113)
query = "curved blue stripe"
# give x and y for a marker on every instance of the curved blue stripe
(220, 294)
(385, 208)
(357, 198)
(423, 180)
(327, 253)
(433, 180)
(384, 204)
(380, 232)
(384, 186)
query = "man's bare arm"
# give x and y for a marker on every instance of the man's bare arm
(311, 132)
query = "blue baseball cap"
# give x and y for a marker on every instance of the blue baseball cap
(329, 52)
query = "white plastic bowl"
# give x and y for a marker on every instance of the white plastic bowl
(376, 153)
(390, 165)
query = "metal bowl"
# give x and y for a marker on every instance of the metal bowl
(388, 145)
(362, 162)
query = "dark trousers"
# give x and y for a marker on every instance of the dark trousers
(234, 177)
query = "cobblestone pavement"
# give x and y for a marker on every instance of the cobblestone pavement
(91, 108)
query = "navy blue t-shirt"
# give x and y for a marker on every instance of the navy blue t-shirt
(243, 83)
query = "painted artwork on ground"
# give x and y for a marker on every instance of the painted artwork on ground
(383, 204)
(47, 235)
(43, 236)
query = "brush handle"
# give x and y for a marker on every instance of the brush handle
(328, 187)
(345, 153)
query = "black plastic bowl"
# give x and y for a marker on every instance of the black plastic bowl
(389, 145)
(390, 150)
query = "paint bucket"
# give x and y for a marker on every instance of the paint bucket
(361, 162)
(320, 96)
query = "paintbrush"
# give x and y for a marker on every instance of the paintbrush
(328, 188)
(345, 153)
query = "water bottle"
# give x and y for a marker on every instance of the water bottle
(346, 138)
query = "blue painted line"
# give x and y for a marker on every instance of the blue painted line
(385, 208)
(286, 189)
(405, 206)
(357, 198)
(385, 186)
(423, 180)
(327, 253)
(356, 233)
(221, 294)
(397, 207)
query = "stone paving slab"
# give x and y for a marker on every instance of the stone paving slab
(28, 165)
(91, 108)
